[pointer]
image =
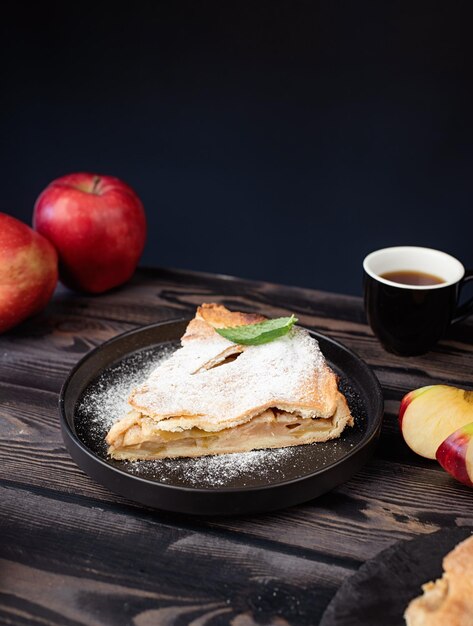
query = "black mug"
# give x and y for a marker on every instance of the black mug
(409, 319)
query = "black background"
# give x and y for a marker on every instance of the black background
(277, 140)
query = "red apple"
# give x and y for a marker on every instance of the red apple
(28, 271)
(455, 454)
(98, 226)
(430, 414)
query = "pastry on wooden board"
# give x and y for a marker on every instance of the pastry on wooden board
(447, 601)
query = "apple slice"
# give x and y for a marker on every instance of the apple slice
(455, 454)
(429, 415)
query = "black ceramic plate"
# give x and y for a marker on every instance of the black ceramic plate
(383, 587)
(95, 393)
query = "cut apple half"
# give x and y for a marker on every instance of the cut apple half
(429, 415)
(455, 454)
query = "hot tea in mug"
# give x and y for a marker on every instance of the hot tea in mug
(411, 296)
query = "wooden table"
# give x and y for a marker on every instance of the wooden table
(73, 553)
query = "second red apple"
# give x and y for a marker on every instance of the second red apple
(455, 454)
(98, 227)
(28, 272)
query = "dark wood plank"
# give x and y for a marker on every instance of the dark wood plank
(396, 496)
(116, 568)
(33, 456)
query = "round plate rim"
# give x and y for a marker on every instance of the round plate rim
(366, 440)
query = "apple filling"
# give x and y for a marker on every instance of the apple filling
(139, 437)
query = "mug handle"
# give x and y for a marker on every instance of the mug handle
(466, 308)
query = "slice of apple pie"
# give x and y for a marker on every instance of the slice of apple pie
(213, 396)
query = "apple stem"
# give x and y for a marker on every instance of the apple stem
(96, 183)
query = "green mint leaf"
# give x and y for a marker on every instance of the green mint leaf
(256, 334)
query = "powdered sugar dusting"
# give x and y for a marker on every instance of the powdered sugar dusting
(105, 403)
(288, 371)
(219, 470)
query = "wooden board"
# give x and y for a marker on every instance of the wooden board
(72, 553)
(386, 584)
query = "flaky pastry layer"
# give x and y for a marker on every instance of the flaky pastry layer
(199, 386)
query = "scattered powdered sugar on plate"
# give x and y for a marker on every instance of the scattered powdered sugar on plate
(106, 400)
(219, 470)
